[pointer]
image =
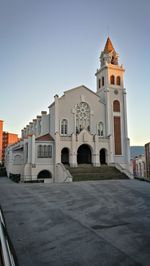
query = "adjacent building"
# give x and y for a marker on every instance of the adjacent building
(81, 127)
(147, 158)
(139, 166)
(1, 139)
(6, 139)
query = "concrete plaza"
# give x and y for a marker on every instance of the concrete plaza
(84, 223)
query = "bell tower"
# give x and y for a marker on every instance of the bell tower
(110, 88)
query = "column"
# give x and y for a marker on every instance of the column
(73, 152)
(108, 118)
(95, 155)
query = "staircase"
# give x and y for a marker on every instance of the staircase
(88, 172)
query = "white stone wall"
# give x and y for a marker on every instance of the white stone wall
(34, 164)
(45, 120)
(52, 120)
(67, 108)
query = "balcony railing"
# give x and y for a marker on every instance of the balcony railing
(7, 257)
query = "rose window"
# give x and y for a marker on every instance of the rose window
(82, 116)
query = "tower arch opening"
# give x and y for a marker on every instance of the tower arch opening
(116, 106)
(118, 80)
(112, 79)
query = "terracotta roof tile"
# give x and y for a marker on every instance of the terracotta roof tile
(108, 46)
(46, 137)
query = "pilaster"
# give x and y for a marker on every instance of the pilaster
(33, 149)
(57, 148)
(56, 114)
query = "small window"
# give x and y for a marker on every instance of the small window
(49, 151)
(64, 127)
(100, 129)
(103, 81)
(118, 81)
(112, 60)
(39, 150)
(116, 106)
(112, 80)
(99, 83)
(17, 159)
(44, 151)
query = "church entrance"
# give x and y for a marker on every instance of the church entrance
(103, 156)
(84, 154)
(65, 156)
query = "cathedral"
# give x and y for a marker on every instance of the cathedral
(81, 127)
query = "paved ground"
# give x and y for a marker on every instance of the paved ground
(86, 223)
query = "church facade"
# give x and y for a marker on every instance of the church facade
(81, 127)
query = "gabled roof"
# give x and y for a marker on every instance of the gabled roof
(70, 90)
(108, 46)
(18, 149)
(46, 137)
(82, 86)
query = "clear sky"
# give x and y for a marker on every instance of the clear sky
(49, 46)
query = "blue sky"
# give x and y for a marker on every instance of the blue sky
(49, 46)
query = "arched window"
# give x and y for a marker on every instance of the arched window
(103, 81)
(118, 81)
(64, 127)
(100, 130)
(116, 106)
(17, 159)
(112, 79)
(99, 83)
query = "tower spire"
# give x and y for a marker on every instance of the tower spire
(109, 55)
(108, 46)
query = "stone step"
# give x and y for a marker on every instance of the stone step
(95, 173)
(97, 177)
(93, 169)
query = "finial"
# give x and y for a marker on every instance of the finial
(108, 30)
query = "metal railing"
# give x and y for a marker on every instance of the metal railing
(7, 257)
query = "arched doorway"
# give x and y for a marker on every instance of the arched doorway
(65, 156)
(103, 156)
(84, 154)
(44, 174)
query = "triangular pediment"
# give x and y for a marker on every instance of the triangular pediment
(83, 88)
(85, 136)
